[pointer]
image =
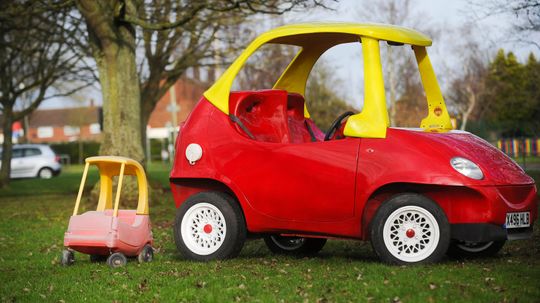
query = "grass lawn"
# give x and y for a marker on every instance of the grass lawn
(35, 215)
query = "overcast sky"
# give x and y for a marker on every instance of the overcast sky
(451, 19)
(448, 17)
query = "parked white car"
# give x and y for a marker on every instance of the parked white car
(34, 160)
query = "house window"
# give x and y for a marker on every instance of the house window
(71, 130)
(45, 132)
(95, 129)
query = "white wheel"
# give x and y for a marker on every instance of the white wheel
(411, 233)
(409, 229)
(45, 173)
(203, 229)
(209, 226)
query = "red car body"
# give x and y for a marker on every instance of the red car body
(254, 162)
(290, 185)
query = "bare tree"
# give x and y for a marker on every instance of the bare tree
(467, 89)
(525, 15)
(112, 34)
(35, 54)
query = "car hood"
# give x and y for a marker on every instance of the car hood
(498, 168)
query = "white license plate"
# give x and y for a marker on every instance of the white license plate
(517, 220)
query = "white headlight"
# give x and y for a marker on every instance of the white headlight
(467, 168)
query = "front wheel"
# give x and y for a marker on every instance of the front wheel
(209, 226)
(117, 260)
(294, 245)
(466, 249)
(410, 229)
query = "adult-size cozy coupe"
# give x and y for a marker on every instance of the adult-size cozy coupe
(253, 162)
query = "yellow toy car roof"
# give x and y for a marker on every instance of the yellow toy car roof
(109, 167)
(314, 39)
(385, 32)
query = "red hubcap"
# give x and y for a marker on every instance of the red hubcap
(409, 233)
(207, 228)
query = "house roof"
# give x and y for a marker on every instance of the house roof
(65, 116)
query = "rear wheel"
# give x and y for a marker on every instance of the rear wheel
(466, 249)
(117, 260)
(410, 229)
(146, 255)
(45, 173)
(209, 226)
(294, 245)
(68, 258)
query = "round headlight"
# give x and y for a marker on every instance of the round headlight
(467, 168)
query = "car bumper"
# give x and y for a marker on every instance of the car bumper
(478, 214)
(483, 232)
(56, 172)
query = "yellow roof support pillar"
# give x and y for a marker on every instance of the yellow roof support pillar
(295, 77)
(438, 119)
(373, 120)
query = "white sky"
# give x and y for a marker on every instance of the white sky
(449, 16)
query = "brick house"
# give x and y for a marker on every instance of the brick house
(64, 125)
(187, 93)
(83, 123)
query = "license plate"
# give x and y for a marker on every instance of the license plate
(517, 220)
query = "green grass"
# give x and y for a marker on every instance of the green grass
(35, 215)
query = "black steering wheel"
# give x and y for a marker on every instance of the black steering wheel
(336, 124)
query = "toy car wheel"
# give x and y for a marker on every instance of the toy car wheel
(97, 258)
(465, 249)
(208, 226)
(45, 173)
(68, 258)
(146, 255)
(116, 260)
(294, 245)
(410, 228)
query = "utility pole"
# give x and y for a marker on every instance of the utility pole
(174, 109)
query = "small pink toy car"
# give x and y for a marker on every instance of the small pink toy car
(111, 232)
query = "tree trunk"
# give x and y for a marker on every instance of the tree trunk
(7, 146)
(148, 94)
(113, 46)
(470, 107)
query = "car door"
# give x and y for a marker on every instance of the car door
(308, 182)
(17, 163)
(32, 158)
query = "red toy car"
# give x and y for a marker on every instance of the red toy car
(109, 232)
(254, 162)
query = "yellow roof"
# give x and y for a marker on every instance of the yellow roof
(110, 165)
(385, 32)
(316, 36)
